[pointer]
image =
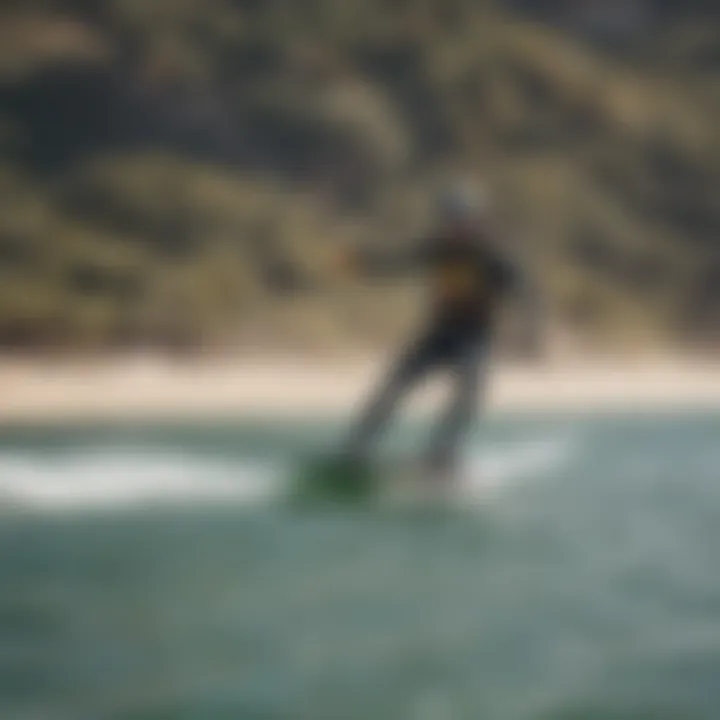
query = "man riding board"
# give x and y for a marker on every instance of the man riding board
(472, 272)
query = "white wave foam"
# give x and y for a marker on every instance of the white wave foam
(122, 478)
(491, 470)
(103, 479)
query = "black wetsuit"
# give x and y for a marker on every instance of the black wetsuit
(470, 278)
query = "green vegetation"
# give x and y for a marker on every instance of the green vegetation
(176, 172)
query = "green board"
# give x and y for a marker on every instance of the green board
(323, 480)
(332, 480)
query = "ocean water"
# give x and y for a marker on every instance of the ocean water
(155, 573)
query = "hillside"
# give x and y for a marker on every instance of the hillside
(177, 172)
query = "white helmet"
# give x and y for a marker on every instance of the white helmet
(463, 203)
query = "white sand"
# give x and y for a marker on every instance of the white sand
(31, 391)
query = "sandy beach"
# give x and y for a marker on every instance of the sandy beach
(151, 388)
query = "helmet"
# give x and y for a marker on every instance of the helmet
(462, 203)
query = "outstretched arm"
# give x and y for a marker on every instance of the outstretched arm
(381, 263)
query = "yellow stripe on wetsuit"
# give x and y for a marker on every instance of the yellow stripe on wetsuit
(458, 282)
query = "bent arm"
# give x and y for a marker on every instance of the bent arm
(525, 288)
(384, 263)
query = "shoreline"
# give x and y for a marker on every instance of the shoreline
(150, 389)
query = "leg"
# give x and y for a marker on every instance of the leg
(468, 370)
(406, 372)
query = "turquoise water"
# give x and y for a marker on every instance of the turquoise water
(154, 574)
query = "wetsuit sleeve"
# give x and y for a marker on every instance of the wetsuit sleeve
(511, 273)
(523, 285)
